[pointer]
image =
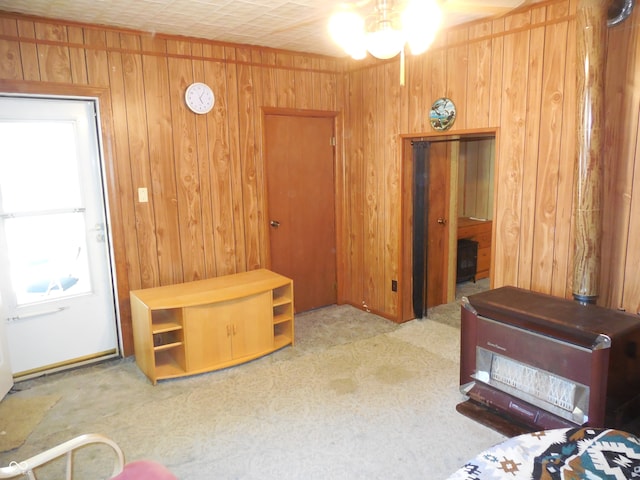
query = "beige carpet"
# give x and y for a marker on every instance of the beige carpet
(358, 397)
(19, 415)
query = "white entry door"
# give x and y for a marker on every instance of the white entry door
(6, 377)
(55, 276)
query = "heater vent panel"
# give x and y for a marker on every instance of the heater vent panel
(563, 397)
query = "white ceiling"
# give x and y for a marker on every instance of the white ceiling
(298, 25)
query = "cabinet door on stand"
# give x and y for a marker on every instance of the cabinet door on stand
(252, 325)
(207, 336)
(218, 333)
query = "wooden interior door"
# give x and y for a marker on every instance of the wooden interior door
(431, 172)
(299, 159)
(439, 165)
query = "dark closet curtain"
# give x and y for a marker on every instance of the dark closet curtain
(420, 210)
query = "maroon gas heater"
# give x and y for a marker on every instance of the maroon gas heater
(545, 362)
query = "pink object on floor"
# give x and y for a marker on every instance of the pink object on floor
(145, 470)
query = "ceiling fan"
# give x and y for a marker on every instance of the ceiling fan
(383, 27)
(375, 16)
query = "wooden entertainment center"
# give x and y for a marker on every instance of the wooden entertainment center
(205, 325)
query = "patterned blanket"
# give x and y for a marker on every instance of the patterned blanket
(562, 454)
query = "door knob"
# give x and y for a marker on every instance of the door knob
(442, 221)
(274, 223)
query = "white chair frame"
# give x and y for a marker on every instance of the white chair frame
(67, 448)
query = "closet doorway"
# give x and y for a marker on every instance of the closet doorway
(445, 177)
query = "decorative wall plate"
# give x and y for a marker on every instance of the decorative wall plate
(443, 114)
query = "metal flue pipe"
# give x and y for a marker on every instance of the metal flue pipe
(592, 19)
(591, 25)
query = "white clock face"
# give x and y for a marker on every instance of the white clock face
(199, 98)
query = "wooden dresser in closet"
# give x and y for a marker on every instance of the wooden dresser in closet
(478, 231)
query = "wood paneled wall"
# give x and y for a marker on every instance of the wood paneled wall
(620, 281)
(475, 178)
(204, 174)
(516, 75)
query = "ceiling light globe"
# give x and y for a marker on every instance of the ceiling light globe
(385, 43)
(357, 52)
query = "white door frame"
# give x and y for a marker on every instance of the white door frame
(6, 377)
(96, 123)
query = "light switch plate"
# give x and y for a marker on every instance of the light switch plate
(143, 196)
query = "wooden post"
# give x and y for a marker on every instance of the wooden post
(591, 38)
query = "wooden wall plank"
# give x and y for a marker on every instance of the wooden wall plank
(475, 182)
(325, 84)
(355, 211)
(466, 185)
(138, 139)
(489, 155)
(529, 214)
(549, 154)
(253, 216)
(8, 27)
(28, 50)
(163, 192)
(235, 160)
(427, 96)
(369, 140)
(511, 159)
(220, 160)
(303, 81)
(96, 57)
(285, 81)
(10, 65)
(76, 56)
(185, 155)
(563, 252)
(456, 85)
(202, 146)
(478, 81)
(330, 92)
(416, 109)
(497, 66)
(54, 61)
(258, 73)
(122, 166)
(631, 297)
(317, 84)
(269, 82)
(391, 188)
(622, 165)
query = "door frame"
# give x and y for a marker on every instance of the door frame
(407, 173)
(113, 229)
(339, 189)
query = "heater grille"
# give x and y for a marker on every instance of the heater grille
(542, 385)
(563, 397)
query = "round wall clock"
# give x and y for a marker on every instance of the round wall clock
(199, 98)
(443, 114)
